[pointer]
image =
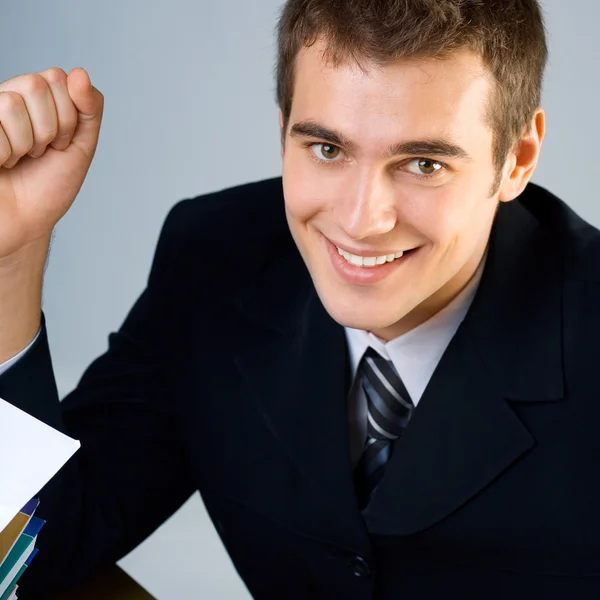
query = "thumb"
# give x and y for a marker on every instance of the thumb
(89, 103)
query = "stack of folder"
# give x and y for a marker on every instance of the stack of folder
(23, 475)
(17, 548)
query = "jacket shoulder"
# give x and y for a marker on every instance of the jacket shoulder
(246, 212)
(224, 238)
(577, 240)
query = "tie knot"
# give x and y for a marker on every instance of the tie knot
(389, 406)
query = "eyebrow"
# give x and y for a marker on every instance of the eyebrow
(436, 147)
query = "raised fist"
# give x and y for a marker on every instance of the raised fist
(49, 128)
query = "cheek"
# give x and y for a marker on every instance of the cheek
(301, 204)
(304, 197)
(433, 213)
(450, 215)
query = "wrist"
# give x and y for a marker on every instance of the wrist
(21, 277)
(26, 259)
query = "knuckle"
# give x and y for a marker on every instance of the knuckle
(64, 134)
(4, 154)
(19, 151)
(33, 83)
(54, 75)
(37, 152)
(60, 143)
(47, 137)
(68, 126)
(22, 146)
(10, 100)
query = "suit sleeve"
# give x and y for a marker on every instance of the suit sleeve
(5, 366)
(131, 472)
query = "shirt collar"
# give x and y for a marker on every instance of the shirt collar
(415, 354)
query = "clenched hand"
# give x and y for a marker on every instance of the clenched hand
(49, 128)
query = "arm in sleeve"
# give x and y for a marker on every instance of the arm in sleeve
(5, 366)
(131, 472)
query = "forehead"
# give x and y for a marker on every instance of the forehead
(409, 97)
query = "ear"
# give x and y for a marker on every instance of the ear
(282, 133)
(522, 161)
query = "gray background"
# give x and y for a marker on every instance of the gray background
(190, 109)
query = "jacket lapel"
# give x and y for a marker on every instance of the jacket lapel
(464, 433)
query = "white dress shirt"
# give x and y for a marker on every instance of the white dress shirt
(415, 354)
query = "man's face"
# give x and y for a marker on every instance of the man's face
(395, 160)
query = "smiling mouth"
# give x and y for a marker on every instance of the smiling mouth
(370, 261)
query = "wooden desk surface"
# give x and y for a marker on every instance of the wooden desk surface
(113, 584)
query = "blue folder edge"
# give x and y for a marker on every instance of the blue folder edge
(34, 526)
(30, 507)
(31, 557)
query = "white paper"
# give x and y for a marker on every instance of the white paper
(31, 453)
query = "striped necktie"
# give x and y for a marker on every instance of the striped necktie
(389, 409)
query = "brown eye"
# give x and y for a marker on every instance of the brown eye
(429, 167)
(329, 152)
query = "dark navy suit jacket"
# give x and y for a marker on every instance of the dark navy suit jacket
(229, 377)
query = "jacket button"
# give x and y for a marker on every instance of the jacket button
(359, 567)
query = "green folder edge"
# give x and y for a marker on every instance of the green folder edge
(12, 590)
(27, 512)
(13, 558)
(13, 583)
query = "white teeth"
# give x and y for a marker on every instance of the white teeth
(368, 261)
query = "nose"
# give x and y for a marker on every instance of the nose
(366, 207)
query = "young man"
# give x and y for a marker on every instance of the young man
(379, 370)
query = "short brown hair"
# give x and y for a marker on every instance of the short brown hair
(508, 34)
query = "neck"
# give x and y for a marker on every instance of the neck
(436, 302)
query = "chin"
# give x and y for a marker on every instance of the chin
(355, 314)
